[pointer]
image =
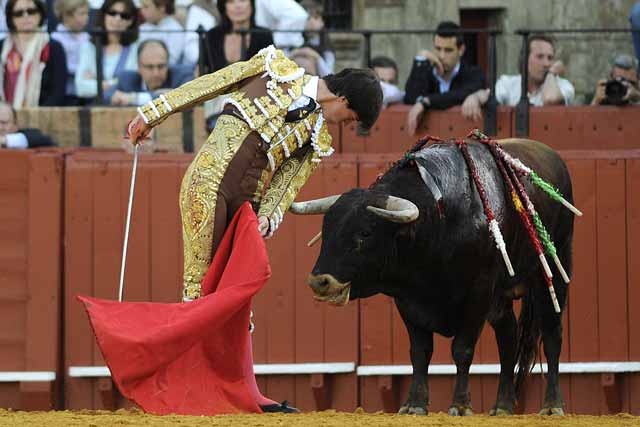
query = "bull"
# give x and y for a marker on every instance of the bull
(435, 257)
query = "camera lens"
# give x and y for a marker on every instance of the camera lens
(615, 90)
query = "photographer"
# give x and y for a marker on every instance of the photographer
(622, 86)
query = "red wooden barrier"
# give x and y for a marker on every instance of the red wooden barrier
(291, 328)
(585, 127)
(389, 134)
(30, 282)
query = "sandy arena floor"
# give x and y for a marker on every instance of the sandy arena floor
(313, 419)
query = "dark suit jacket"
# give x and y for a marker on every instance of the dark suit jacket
(422, 82)
(131, 81)
(54, 75)
(214, 58)
(36, 138)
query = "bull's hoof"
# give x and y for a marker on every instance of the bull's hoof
(497, 412)
(460, 411)
(551, 411)
(413, 410)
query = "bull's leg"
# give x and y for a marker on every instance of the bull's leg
(551, 331)
(462, 349)
(505, 326)
(421, 342)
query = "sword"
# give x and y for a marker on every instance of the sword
(126, 231)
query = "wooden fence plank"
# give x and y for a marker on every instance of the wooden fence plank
(583, 290)
(612, 265)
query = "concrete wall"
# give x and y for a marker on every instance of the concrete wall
(587, 56)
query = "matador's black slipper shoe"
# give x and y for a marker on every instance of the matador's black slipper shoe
(280, 407)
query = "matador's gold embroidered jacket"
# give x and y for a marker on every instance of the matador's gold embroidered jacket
(262, 89)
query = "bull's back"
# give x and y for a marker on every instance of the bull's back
(549, 166)
(545, 161)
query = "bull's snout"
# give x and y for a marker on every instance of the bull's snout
(328, 288)
(319, 282)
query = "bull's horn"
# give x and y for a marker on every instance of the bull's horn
(313, 207)
(397, 210)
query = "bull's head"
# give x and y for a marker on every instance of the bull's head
(359, 231)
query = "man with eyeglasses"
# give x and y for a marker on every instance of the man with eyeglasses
(154, 76)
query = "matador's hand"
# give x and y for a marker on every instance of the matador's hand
(137, 130)
(263, 226)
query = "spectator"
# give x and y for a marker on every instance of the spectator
(622, 86)
(12, 137)
(224, 47)
(634, 18)
(120, 20)
(316, 44)
(200, 13)
(282, 15)
(154, 75)
(34, 67)
(161, 25)
(545, 86)
(387, 71)
(73, 16)
(440, 80)
(308, 62)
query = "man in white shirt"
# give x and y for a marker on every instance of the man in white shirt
(545, 86)
(161, 25)
(282, 15)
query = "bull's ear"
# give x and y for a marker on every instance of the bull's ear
(313, 207)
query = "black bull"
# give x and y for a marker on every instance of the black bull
(443, 269)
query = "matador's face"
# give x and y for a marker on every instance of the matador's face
(337, 111)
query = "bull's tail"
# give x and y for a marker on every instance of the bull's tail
(528, 340)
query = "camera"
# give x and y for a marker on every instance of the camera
(615, 90)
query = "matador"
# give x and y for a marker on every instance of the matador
(270, 137)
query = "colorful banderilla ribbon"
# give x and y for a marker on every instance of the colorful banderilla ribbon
(531, 231)
(491, 220)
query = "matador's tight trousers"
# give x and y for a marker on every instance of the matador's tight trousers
(225, 173)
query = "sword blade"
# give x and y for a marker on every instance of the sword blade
(126, 231)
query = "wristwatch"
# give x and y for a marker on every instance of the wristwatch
(424, 100)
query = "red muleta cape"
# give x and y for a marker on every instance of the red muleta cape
(190, 358)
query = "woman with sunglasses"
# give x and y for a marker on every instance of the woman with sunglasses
(119, 20)
(34, 69)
